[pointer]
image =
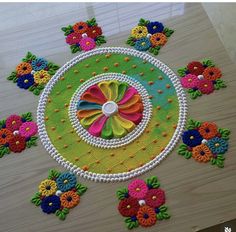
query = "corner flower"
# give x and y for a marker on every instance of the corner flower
(42, 77)
(66, 181)
(47, 187)
(87, 44)
(155, 197)
(217, 145)
(139, 32)
(25, 81)
(155, 27)
(201, 153)
(192, 138)
(128, 207)
(94, 32)
(17, 143)
(212, 73)
(158, 39)
(142, 44)
(205, 86)
(28, 129)
(51, 204)
(195, 68)
(23, 68)
(80, 27)
(189, 81)
(73, 38)
(208, 130)
(39, 64)
(69, 199)
(146, 216)
(137, 189)
(13, 122)
(5, 136)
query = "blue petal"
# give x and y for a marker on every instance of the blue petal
(85, 105)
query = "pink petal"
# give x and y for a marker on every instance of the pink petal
(128, 94)
(96, 128)
(135, 118)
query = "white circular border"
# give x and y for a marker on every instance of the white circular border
(118, 176)
(110, 143)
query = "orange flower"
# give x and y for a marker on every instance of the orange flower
(208, 130)
(80, 27)
(212, 73)
(5, 136)
(201, 153)
(158, 39)
(146, 216)
(23, 68)
(69, 199)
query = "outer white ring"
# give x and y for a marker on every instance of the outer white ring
(110, 143)
(118, 176)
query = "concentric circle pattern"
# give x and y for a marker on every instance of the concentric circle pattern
(111, 114)
(110, 110)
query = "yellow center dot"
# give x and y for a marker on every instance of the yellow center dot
(13, 122)
(137, 189)
(189, 80)
(191, 137)
(27, 128)
(26, 81)
(17, 142)
(74, 37)
(217, 145)
(195, 68)
(128, 206)
(87, 43)
(50, 204)
(205, 85)
(154, 197)
(143, 43)
(65, 181)
(94, 31)
(154, 27)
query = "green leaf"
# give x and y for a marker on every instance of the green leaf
(155, 50)
(15, 79)
(224, 133)
(53, 174)
(168, 32)
(122, 193)
(192, 124)
(166, 215)
(40, 86)
(153, 182)
(2, 123)
(4, 150)
(182, 71)
(36, 92)
(213, 161)
(29, 57)
(74, 48)
(220, 157)
(52, 68)
(27, 116)
(32, 141)
(92, 22)
(220, 163)
(194, 93)
(65, 210)
(143, 22)
(131, 224)
(67, 30)
(100, 40)
(160, 216)
(208, 62)
(219, 84)
(36, 199)
(188, 154)
(12, 76)
(32, 88)
(81, 189)
(61, 215)
(131, 41)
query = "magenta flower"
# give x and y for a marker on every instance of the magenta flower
(28, 129)
(155, 197)
(73, 38)
(13, 122)
(189, 81)
(137, 189)
(87, 43)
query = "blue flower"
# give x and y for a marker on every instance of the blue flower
(155, 27)
(66, 181)
(39, 64)
(192, 138)
(142, 44)
(25, 81)
(51, 204)
(217, 145)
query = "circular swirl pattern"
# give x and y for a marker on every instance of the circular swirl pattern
(113, 110)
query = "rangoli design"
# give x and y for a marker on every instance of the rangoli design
(142, 203)
(84, 36)
(17, 132)
(201, 78)
(33, 73)
(205, 142)
(106, 108)
(149, 36)
(59, 193)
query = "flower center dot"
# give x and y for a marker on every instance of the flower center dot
(27, 128)
(146, 216)
(202, 153)
(87, 43)
(26, 81)
(217, 145)
(69, 198)
(80, 27)
(211, 73)
(154, 27)
(205, 85)
(158, 39)
(189, 80)
(38, 64)
(191, 137)
(109, 108)
(4, 136)
(128, 206)
(140, 32)
(143, 43)
(137, 189)
(65, 181)
(154, 197)
(24, 68)
(17, 142)
(48, 187)
(41, 76)
(195, 68)
(13, 122)
(73, 37)
(94, 31)
(50, 203)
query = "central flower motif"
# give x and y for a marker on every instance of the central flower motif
(110, 109)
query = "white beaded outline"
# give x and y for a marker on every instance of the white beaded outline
(118, 176)
(110, 143)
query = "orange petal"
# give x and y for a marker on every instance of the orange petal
(87, 113)
(135, 99)
(138, 107)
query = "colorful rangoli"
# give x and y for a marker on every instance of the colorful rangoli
(105, 109)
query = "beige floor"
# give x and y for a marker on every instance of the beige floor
(198, 195)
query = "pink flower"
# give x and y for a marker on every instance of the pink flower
(155, 197)
(205, 86)
(13, 122)
(87, 43)
(28, 129)
(73, 38)
(137, 189)
(189, 81)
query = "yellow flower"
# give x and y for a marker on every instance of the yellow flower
(41, 77)
(139, 32)
(47, 187)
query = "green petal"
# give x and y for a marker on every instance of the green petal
(107, 130)
(121, 91)
(117, 129)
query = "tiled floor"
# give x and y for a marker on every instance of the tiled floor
(198, 195)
